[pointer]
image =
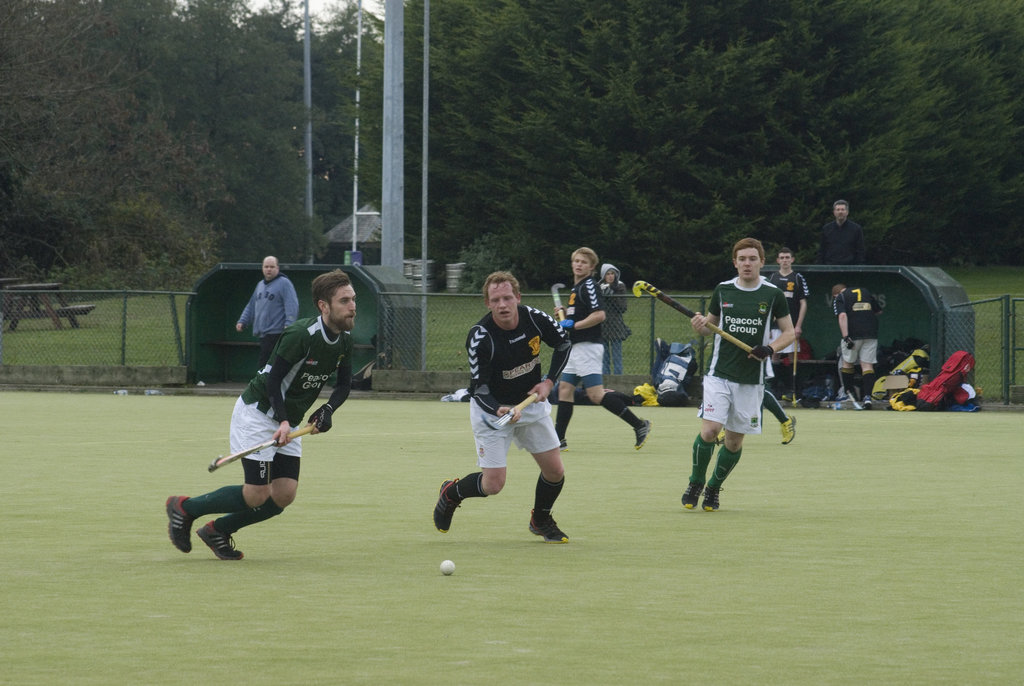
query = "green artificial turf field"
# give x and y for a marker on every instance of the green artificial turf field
(879, 547)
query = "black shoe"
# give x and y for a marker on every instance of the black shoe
(445, 507)
(179, 524)
(641, 434)
(711, 498)
(867, 402)
(548, 529)
(563, 446)
(691, 494)
(221, 545)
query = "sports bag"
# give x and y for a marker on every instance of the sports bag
(938, 393)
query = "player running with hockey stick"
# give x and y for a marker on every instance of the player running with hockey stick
(505, 367)
(744, 308)
(583, 319)
(309, 352)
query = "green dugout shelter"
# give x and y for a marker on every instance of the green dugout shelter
(917, 303)
(217, 353)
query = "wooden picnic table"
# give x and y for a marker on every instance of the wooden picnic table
(33, 301)
(49, 286)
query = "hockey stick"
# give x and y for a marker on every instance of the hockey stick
(507, 417)
(228, 459)
(558, 300)
(641, 287)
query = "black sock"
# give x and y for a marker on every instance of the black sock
(868, 384)
(545, 496)
(849, 383)
(562, 417)
(470, 486)
(783, 378)
(614, 404)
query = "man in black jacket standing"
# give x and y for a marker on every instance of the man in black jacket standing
(842, 240)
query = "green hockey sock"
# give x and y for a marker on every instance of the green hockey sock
(229, 524)
(771, 403)
(727, 459)
(702, 453)
(227, 499)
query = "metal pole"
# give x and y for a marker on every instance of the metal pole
(392, 181)
(308, 99)
(423, 175)
(355, 153)
(1007, 329)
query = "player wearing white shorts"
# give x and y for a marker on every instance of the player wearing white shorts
(309, 352)
(734, 383)
(857, 310)
(583, 319)
(505, 368)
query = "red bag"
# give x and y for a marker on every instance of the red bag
(938, 393)
(805, 354)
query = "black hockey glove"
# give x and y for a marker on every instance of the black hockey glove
(848, 342)
(762, 352)
(322, 418)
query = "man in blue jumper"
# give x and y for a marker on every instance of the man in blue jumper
(272, 307)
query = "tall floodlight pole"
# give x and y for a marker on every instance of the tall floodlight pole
(423, 176)
(308, 99)
(355, 153)
(392, 184)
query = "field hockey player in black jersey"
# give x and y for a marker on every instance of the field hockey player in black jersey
(505, 368)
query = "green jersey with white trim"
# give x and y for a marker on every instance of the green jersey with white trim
(314, 355)
(747, 314)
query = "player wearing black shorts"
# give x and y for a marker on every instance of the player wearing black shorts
(583, 318)
(309, 352)
(794, 286)
(505, 368)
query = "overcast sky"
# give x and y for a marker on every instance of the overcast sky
(318, 8)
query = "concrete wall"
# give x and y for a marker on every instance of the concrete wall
(82, 375)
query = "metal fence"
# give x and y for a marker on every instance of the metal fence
(420, 332)
(446, 319)
(994, 333)
(58, 327)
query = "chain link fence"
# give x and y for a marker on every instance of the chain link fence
(422, 332)
(58, 327)
(994, 333)
(989, 329)
(446, 319)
